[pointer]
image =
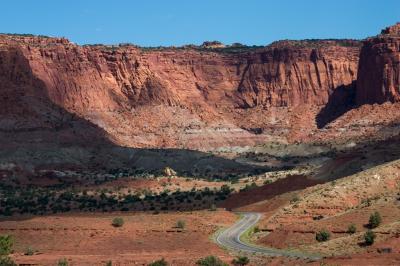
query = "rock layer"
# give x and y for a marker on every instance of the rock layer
(379, 69)
(169, 97)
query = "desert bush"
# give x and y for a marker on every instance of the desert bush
(256, 229)
(62, 262)
(109, 263)
(322, 236)
(160, 262)
(268, 181)
(225, 189)
(181, 224)
(351, 229)
(366, 202)
(211, 261)
(7, 261)
(29, 251)
(118, 222)
(6, 243)
(369, 237)
(241, 261)
(374, 220)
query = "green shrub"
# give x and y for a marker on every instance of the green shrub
(161, 262)
(241, 261)
(211, 261)
(181, 224)
(109, 263)
(256, 229)
(118, 222)
(62, 262)
(268, 181)
(369, 237)
(322, 236)
(6, 243)
(374, 220)
(351, 229)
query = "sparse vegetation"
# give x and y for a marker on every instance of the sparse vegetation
(161, 262)
(351, 229)
(29, 251)
(181, 224)
(251, 186)
(7, 261)
(322, 235)
(6, 244)
(366, 202)
(369, 237)
(211, 261)
(118, 222)
(58, 199)
(63, 262)
(267, 181)
(374, 220)
(241, 261)
(295, 199)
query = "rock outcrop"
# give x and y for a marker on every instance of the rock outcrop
(379, 69)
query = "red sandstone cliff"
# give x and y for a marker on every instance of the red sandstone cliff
(379, 69)
(194, 88)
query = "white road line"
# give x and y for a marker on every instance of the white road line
(230, 238)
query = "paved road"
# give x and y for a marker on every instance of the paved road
(230, 238)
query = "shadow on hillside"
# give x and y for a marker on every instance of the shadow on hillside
(46, 136)
(365, 155)
(265, 192)
(340, 101)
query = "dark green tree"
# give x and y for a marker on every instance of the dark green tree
(374, 220)
(322, 235)
(369, 237)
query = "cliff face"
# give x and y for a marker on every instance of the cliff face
(379, 69)
(84, 78)
(285, 77)
(154, 97)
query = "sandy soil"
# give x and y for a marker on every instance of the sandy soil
(92, 240)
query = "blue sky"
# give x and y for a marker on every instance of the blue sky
(174, 22)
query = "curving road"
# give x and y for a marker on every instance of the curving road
(230, 238)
